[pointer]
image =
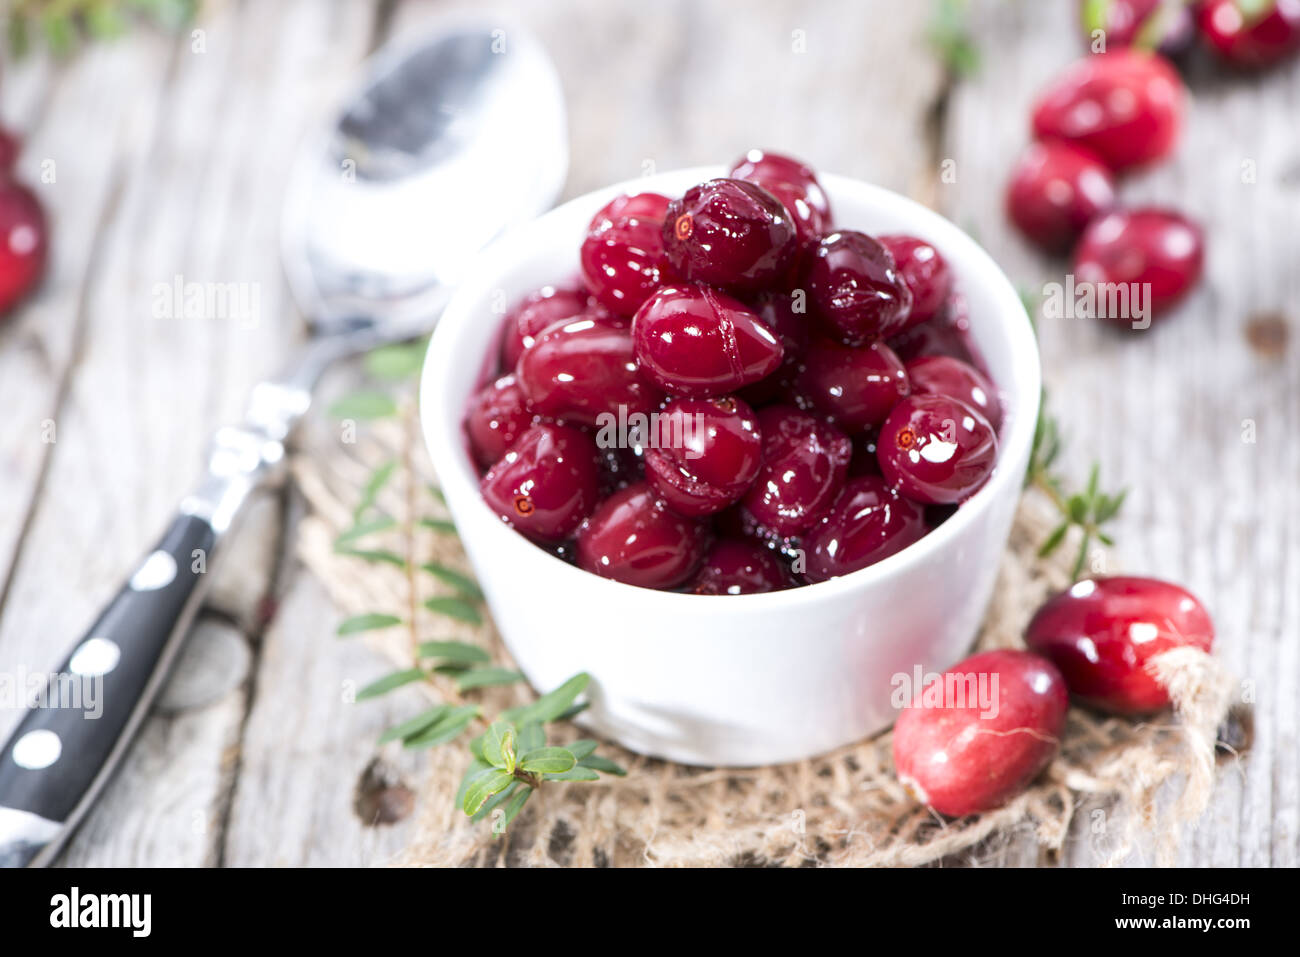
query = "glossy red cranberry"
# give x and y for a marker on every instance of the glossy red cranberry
(497, 416)
(1056, 189)
(578, 370)
(857, 288)
(1253, 34)
(537, 312)
(23, 243)
(740, 567)
(729, 233)
(1158, 247)
(696, 341)
(867, 522)
(705, 454)
(856, 387)
(942, 375)
(777, 311)
(622, 262)
(979, 734)
(635, 538)
(1165, 26)
(1104, 633)
(1125, 105)
(947, 334)
(926, 274)
(794, 184)
(547, 483)
(936, 449)
(647, 207)
(805, 463)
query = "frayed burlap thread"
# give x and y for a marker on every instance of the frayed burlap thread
(1128, 789)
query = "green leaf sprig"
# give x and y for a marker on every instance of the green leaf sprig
(65, 24)
(949, 37)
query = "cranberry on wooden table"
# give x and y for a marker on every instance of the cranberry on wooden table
(729, 233)
(635, 538)
(925, 273)
(856, 287)
(805, 463)
(1166, 26)
(740, 567)
(23, 242)
(857, 387)
(1056, 189)
(963, 755)
(936, 449)
(547, 483)
(1125, 105)
(868, 522)
(710, 451)
(497, 415)
(944, 375)
(1103, 634)
(622, 262)
(1151, 246)
(1251, 34)
(580, 369)
(794, 184)
(537, 312)
(694, 340)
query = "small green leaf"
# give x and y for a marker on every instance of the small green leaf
(482, 786)
(457, 580)
(1105, 539)
(1082, 557)
(597, 763)
(457, 651)
(1109, 506)
(444, 525)
(438, 494)
(580, 749)
(573, 710)
(516, 805)
(456, 608)
(495, 800)
(372, 621)
(475, 768)
(396, 362)
(373, 555)
(389, 682)
(552, 704)
(413, 726)
(499, 745)
(374, 485)
(531, 737)
(380, 523)
(1054, 540)
(363, 405)
(450, 726)
(547, 760)
(1077, 508)
(574, 774)
(486, 678)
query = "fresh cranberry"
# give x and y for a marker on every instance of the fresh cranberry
(868, 522)
(1124, 105)
(497, 416)
(1162, 25)
(794, 184)
(1139, 248)
(1104, 633)
(936, 449)
(694, 340)
(947, 334)
(1251, 34)
(622, 262)
(943, 375)
(977, 735)
(805, 463)
(538, 311)
(857, 387)
(925, 273)
(1055, 190)
(580, 369)
(23, 243)
(857, 288)
(740, 567)
(705, 455)
(633, 537)
(729, 233)
(547, 483)
(648, 207)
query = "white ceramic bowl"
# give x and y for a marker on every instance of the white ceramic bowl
(749, 679)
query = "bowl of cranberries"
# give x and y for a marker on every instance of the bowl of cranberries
(742, 443)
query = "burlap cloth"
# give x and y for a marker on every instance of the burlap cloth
(1137, 785)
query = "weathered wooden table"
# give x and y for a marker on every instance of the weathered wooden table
(166, 157)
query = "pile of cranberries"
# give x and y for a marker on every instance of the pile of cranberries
(1107, 113)
(808, 403)
(1243, 33)
(22, 232)
(1095, 642)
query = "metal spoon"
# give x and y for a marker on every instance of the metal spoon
(445, 145)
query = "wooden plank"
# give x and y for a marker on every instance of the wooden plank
(1163, 410)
